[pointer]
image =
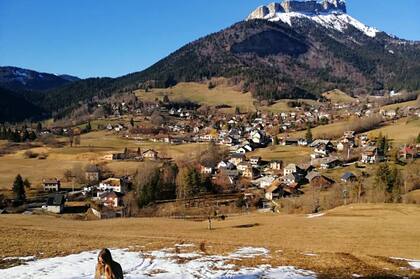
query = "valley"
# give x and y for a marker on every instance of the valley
(286, 145)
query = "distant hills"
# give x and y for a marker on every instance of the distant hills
(22, 90)
(289, 50)
(17, 79)
(15, 108)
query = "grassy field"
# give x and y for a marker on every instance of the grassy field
(400, 105)
(335, 129)
(338, 96)
(289, 154)
(221, 94)
(200, 93)
(282, 106)
(413, 197)
(352, 239)
(401, 132)
(94, 146)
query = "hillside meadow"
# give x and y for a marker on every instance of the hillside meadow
(338, 96)
(221, 94)
(94, 146)
(201, 94)
(402, 131)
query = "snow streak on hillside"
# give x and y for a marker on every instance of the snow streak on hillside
(339, 22)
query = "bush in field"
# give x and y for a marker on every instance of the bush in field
(30, 154)
(43, 156)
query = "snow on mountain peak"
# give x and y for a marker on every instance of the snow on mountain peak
(328, 13)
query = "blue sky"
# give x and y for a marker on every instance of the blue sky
(112, 38)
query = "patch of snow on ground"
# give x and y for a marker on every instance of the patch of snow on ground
(413, 263)
(185, 245)
(249, 252)
(158, 264)
(311, 216)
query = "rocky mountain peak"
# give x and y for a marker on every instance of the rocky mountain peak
(331, 14)
(311, 7)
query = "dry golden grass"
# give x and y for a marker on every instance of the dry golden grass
(200, 93)
(335, 129)
(338, 96)
(33, 169)
(221, 94)
(400, 105)
(3, 142)
(94, 146)
(281, 105)
(352, 239)
(289, 154)
(401, 132)
(413, 197)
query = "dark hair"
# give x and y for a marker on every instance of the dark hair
(106, 257)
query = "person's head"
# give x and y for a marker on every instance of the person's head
(105, 257)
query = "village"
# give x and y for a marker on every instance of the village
(240, 175)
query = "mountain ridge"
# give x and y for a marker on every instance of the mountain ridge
(311, 7)
(17, 79)
(272, 58)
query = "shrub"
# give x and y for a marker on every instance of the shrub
(30, 154)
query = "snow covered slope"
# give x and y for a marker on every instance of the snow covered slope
(158, 264)
(329, 18)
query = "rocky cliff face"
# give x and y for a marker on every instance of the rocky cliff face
(305, 7)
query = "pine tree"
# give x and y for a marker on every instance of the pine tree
(39, 127)
(383, 181)
(308, 135)
(32, 136)
(382, 144)
(8, 134)
(27, 184)
(149, 192)
(88, 127)
(25, 135)
(3, 133)
(397, 184)
(14, 136)
(19, 188)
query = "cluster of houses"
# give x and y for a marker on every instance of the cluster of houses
(108, 193)
(244, 133)
(278, 180)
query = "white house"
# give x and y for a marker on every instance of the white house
(112, 184)
(55, 203)
(276, 165)
(290, 168)
(255, 160)
(51, 185)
